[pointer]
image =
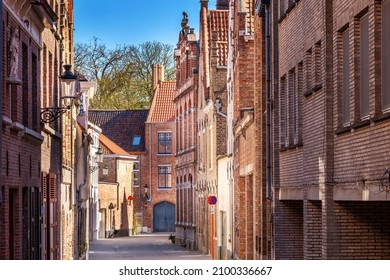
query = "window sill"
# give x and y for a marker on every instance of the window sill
(308, 93)
(317, 87)
(33, 135)
(343, 130)
(281, 18)
(382, 117)
(360, 124)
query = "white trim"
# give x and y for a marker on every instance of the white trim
(119, 156)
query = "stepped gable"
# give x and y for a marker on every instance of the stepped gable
(218, 26)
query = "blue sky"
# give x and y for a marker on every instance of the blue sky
(118, 22)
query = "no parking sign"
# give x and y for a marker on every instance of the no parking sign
(212, 200)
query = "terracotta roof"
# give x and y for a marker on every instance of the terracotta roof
(218, 26)
(110, 147)
(121, 126)
(163, 108)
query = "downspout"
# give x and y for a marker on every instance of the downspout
(150, 163)
(1, 115)
(268, 99)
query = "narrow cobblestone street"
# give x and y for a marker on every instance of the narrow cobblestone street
(155, 246)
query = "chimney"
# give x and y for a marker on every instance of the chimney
(157, 75)
(222, 5)
(204, 3)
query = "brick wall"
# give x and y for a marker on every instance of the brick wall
(288, 226)
(312, 232)
(158, 195)
(362, 230)
(21, 155)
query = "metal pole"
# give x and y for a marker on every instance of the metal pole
(268, 100)
(212, 232)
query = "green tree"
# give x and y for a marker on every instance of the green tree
(124, 74)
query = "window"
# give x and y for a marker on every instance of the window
(385, 55)
(136, 173)
(136, 140)
(317, 64)
(136, 178)
(283, 113)
(164, 177)
(364, 71)
(34, 91)
(25, 86)
(292, 106)
(308, 71)
(345, 104)
(165, 143)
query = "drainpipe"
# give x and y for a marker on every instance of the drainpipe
(268, 97)
(262, 9)
(1, 114)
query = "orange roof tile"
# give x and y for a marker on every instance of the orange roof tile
(163, 108)
(218, 26)
(110, 147)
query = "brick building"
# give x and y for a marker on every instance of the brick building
(115, 190)
(186, 56)
(330, 128)
(159, 199)
(213, 45)
(126, 128)
(31, 149)
(246, 136)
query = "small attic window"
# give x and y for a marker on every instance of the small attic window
(136, 140)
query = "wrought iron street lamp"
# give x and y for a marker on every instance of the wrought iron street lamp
(98, 159)
(68, 87)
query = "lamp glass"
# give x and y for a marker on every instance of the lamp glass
(105, 170)
(68, 82)
(99, 155)
(68, 87)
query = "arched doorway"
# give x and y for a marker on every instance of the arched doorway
(164, 217)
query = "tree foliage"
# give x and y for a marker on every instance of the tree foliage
(124, 74)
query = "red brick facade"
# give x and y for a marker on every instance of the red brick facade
(160, 196)
(186, 134)
(211, 142)
(31, 150)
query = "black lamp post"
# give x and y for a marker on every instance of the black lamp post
(68, 90)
